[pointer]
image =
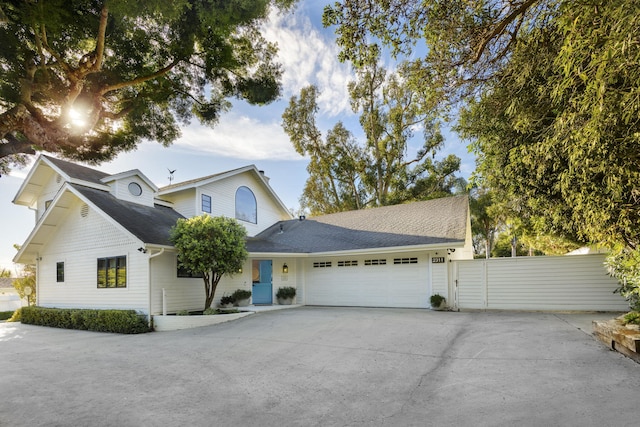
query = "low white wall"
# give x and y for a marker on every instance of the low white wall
(563, 283)
(174, 323)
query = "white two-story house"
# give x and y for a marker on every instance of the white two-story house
(102, 241)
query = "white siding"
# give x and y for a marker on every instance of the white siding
(439, 277)
(223, 194)
(48, 193)
(389, 285)
(538, 283)
(120, 189)
(78, 242)
(185, 202)
(188, 293)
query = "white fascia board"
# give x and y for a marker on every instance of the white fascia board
(392, 249)
(41, 221)
(128, 174)
(267, 255)
(34, 169)
(194, 183)
(370, 251)
(25, 182)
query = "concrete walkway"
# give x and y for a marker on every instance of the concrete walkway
(320, 366)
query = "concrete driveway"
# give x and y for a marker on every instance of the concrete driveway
(319, 366)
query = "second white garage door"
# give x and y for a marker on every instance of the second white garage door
(397, 280)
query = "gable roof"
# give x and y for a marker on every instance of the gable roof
(433, 222)
(76, 172)
(44, 169)
(198, 182)
(149, 224)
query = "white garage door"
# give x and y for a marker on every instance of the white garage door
(379, 281)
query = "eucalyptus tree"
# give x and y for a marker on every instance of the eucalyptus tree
(548, 94)
(345, 173)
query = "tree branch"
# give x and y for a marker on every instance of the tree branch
(520, 10)
(140, 79)
(102, 28)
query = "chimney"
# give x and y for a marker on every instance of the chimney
(266, 178)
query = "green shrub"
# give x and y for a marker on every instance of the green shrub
(4, 315)
(227, 299)
(115, 321)
(436, 300)
(240, 294)
(209, 311)
(286, 292)
(632, 318)
(182, 313)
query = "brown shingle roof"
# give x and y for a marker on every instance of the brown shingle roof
(439, 221)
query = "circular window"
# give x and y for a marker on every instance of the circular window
(135, 189)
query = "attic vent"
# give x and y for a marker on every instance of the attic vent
(84, 211)
(58, 179)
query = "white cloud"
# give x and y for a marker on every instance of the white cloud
(241, 137)
(309, 56)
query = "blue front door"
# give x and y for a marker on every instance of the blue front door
(262, 272)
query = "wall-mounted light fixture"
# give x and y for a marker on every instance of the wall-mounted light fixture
(240, 270)
(285, 268)
(143, 250)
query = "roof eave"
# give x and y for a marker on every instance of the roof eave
(408, 248)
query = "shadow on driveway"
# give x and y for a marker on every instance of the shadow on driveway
(322, 366)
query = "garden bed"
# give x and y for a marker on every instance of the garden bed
(620, 337)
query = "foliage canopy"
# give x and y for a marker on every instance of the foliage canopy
(91, 78)
(548, 93)
(211, 246)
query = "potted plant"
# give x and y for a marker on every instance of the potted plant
(241, 297)
(438, 302)
(285, 295)
(226, 301)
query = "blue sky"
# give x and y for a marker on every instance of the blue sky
(246, 134)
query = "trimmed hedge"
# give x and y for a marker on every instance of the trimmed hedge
(116, 321)
(5, 315)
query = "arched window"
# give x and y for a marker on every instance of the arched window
(246, 207)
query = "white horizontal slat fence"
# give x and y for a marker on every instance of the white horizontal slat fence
(562, 283)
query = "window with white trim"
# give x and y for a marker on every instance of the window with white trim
(246, 206)
(60, 272)
(206, 203)
(112, 272)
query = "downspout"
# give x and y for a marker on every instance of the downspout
(150, 279)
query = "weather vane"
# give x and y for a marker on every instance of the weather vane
(171, 175)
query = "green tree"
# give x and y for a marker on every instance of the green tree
(558, 134)
(211, 246)
(345, 174)
(26, 279)
(91, 78)
(485, 223)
